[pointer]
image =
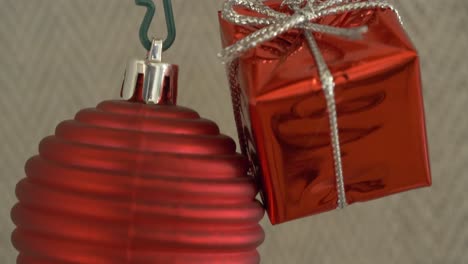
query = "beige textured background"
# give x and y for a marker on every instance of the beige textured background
(58, 56)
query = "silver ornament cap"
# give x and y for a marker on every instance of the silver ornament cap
(160, 79)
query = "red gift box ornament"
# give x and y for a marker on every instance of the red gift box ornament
(138, 181)
(327, 99)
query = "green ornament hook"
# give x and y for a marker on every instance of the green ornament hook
(145, 25)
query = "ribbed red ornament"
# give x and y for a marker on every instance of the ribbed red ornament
(133, 183)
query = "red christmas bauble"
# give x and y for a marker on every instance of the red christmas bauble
(128, 182)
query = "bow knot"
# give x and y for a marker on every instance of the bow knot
(305, 12)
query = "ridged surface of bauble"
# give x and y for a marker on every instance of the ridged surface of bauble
(129, 183)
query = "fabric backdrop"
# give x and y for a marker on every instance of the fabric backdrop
(58, 56)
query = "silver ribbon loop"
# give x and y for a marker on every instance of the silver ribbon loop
(305, 12)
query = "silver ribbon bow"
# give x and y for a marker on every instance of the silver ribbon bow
(305, 12)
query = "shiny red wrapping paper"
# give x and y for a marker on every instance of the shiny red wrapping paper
(283, 125)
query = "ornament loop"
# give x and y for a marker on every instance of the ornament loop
(145, 25)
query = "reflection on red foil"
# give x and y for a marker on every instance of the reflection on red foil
(299, 128)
